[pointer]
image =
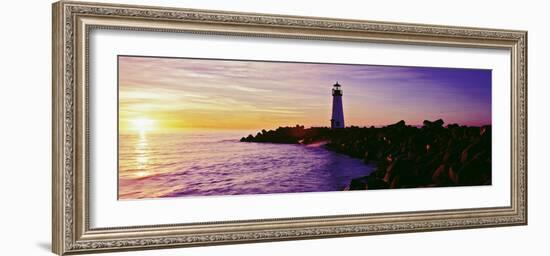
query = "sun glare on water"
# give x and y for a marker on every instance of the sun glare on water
(142, 126)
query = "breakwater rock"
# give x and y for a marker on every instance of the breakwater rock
(432, 155)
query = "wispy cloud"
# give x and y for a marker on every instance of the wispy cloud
(253, 94)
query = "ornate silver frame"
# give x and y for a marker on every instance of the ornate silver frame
(72, 21)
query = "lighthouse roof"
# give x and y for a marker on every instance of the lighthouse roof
(337, 84)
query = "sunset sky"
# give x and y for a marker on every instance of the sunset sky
(178, 93)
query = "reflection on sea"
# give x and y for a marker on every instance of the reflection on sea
(190, 164)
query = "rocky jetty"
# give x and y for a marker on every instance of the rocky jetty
(406, 156)
(291, 135)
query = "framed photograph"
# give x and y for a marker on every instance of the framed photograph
(179, 127)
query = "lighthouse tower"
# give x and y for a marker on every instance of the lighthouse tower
(337, 120)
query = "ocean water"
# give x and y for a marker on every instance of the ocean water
(216, 163)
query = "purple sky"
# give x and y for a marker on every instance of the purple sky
(226, 94)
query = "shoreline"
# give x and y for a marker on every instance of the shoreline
(405, 156)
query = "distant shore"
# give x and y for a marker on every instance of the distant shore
(406, 156)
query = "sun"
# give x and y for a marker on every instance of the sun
(143, 125)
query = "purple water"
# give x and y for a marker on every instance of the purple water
(209, 163)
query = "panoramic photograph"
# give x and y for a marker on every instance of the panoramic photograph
(215, 127)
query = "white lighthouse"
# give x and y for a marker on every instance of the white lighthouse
(337, 120)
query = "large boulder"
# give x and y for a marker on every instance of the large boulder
(435, 124)
(441, 177)
(376, 183)
(401, 173)
(358, 183)
(475, 172)
(367, 182)
(400, 124)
